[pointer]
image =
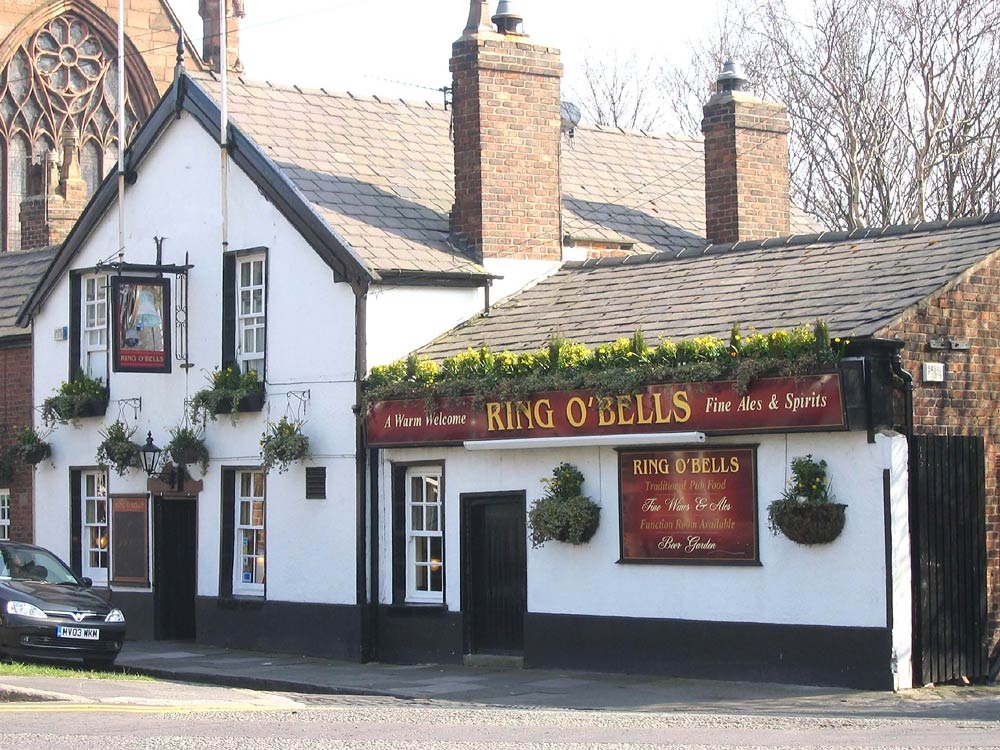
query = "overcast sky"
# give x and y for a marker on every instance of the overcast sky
(376, 46)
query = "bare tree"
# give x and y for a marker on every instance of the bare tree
(620, 92)
(894, 104)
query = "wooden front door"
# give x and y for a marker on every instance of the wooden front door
(175, 568)
(495, 578)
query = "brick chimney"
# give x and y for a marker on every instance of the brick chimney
(746, 163)
(56, 196)
(209, 12)
(506, 122)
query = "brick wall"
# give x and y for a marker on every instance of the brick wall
(16, 412)
(507, 136)
(746, 168)
(966, 402)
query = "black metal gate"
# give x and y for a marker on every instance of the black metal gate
(948, 536)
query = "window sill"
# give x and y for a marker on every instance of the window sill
(413, 608)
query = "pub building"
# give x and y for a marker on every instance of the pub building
(682, 576)
(403, 534)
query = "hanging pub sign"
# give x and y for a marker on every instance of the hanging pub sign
(787, 404)
(141, 329)
(688, 506)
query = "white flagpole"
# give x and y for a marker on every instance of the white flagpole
(223, 141)
(121, 131)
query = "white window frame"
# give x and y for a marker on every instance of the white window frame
(251, 320)
(250, 537)
(95, 549)
(424, 563)
(94, 325)
(4, 515)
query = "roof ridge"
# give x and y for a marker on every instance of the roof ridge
(251, 83)
(793, 240)
(638, 133)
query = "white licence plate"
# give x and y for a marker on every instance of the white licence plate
(90, 634)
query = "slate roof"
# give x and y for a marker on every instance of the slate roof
(381, 173)
(857, 282)
(20, 270)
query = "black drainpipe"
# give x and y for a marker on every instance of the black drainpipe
(907, 388)
(361, 466)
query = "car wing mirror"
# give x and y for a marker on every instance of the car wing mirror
(87, 582)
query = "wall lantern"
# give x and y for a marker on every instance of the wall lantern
(150, 455)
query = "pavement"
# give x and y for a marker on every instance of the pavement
(272, 679)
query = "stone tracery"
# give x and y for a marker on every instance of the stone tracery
(65, 74)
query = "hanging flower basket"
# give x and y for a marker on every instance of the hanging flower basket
(36, 453)
(116, 449)
(283, 443)
(30, 448)
(187, 446)
(563, 514)
(810, 524)
(806, 512)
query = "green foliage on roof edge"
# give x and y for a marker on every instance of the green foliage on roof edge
(616, 368)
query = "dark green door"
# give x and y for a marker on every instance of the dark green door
(495, 581)
(175, 568)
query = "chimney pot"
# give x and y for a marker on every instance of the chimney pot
(731, 78)
(479, 13)
(507, 18)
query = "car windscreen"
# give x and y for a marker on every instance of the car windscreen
(33, 564)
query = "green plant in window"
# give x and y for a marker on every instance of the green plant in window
(30, 448)
(116, 449)
(283, 443)
(187, 446)
(563, 513)
(82, 396)
(230, 390)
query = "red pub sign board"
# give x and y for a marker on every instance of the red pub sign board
(810, 402)
(689, 506)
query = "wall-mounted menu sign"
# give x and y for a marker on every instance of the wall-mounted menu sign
(689, 505)
(129, 537)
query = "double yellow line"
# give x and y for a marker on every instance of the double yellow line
(46, 707)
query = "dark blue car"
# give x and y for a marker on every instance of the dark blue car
(47, 611)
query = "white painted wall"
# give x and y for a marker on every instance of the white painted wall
(897, 459)
(516, 275)
(415, 316)
(310, 347)
(842, 584)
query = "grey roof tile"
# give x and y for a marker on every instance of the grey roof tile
(858, 285)
(20, 271)
(394, 159)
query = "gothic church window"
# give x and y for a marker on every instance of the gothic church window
(63, 74)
